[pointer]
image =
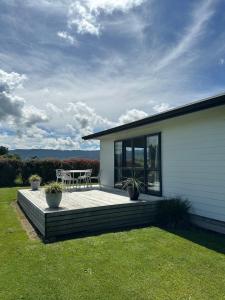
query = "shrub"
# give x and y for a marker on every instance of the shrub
(53, 188)
(18, 181)
(10, 169)
(45, 169)
(3, 150)
(173, 212)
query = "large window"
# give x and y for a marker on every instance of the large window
(140, 156)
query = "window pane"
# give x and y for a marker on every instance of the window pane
(153, 152)
(128, 153)
(127, 172)
(118, 154)
(139, 173)
(153, 181)
(118, 178)
(139, 152)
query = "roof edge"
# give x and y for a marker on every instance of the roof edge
(203, 104)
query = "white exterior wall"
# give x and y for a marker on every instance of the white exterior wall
(107, 163)
(193, 159)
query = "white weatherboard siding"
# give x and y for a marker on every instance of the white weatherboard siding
(193, 159)
(107, 163)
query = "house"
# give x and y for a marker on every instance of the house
(179, 152)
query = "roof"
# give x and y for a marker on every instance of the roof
(175, 112)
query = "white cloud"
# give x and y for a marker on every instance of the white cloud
(222, 61)
(132, 115)
(83, 19)
(38, 139)
(15, 114)
(84, 116)
(10, 106)
(33, 115)
(64, 129)
(10, 81)
(67, 37)
(13, 107)
(85, 15)
(200, 15)
(161, 107)
(53, 108)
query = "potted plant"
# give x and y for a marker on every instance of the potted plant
(35, 181)
(133, 186)
(53, 193)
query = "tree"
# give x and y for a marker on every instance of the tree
(4, 150)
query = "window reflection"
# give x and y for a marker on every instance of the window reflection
(153, 152)
(128, 153)
(118, 154)
(153, 181)
(139, 157)
(139, 152)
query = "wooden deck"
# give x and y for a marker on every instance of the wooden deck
(85, 211)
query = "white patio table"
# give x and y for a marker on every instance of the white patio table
(74, 172)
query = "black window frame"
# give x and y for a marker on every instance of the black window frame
(146, 191)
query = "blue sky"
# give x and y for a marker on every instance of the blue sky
(69, 68)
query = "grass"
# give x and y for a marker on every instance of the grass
(145, 263)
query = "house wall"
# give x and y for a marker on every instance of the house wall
(193, 159)
(107, 163)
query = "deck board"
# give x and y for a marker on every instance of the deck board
(86, 211)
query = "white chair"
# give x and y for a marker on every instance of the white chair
(67, 179)
(59, 174)
(86, 178)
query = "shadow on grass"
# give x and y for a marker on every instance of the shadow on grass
(206, 238)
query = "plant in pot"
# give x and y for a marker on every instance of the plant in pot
(35, 181)
(133, 186)
(53, 193)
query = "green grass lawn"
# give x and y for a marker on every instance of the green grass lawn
(139, 264)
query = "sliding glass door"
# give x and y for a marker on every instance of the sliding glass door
(153, 166)
(140, 156)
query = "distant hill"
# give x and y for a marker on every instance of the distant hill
(58, 154)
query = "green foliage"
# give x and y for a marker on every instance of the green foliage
(3, 150)
(12, 156)
(46, 168)
(19, 180)
(4, 153)
(173, 212)
(9, 170)
(34, 177)
(53, 188)
(133, 182)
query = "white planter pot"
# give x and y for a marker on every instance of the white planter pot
(35, 185)
(53, 200)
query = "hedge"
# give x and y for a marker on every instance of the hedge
(11, 169)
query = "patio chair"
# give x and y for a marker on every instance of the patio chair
(86, 178)
(67, 179)
(59, 174)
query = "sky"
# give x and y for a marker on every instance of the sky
(69, 68)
